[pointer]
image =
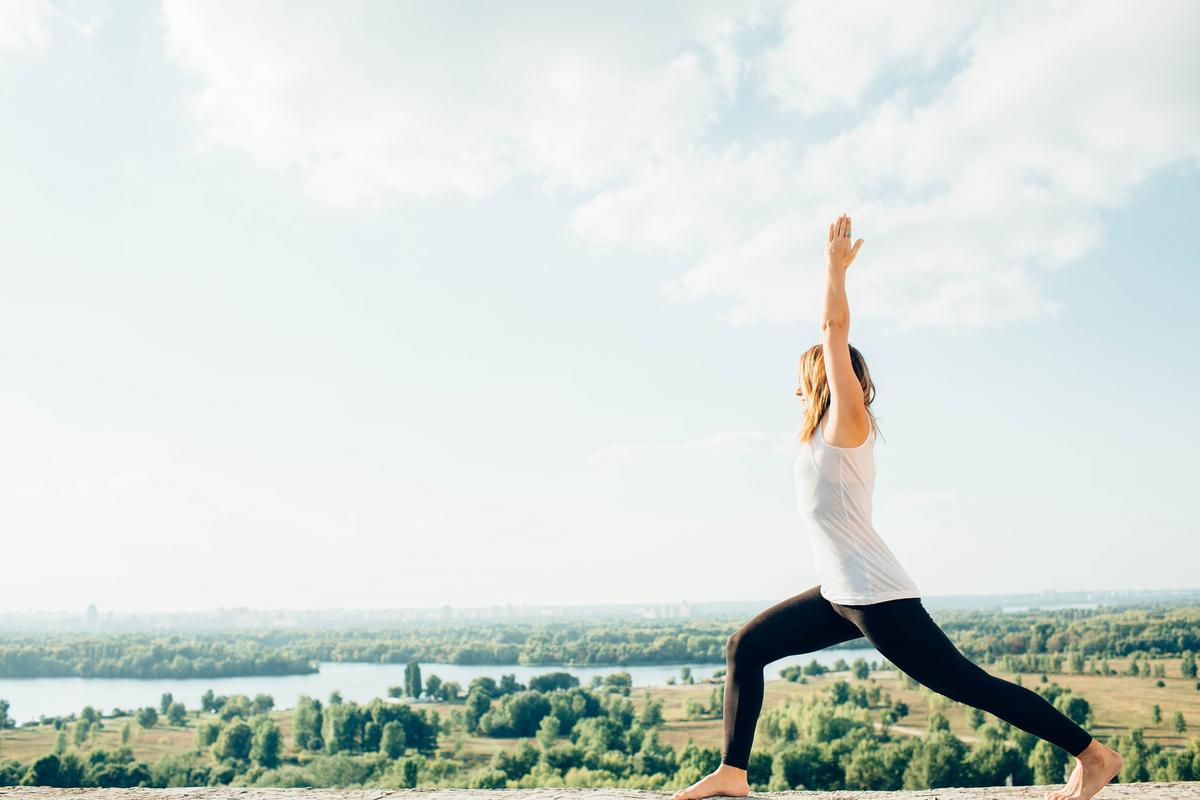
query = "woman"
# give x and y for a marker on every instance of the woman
(864, 591)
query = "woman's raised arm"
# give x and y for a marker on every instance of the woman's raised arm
(847, 424)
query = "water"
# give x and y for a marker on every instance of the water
(34, 697)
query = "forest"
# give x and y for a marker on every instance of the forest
(1032, 641)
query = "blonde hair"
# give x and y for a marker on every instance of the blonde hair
(816, 388)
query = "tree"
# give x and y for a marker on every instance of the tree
(306, 722)
(509, 685)
(262, 703)
(553, 681)
(5, 720)
(207, 733)
(335, 698)
(60, 743)
(391, 743)
(1074, 708)
(265, 744)
(548, 731)
(1178, 723)
(1187, 668)
(716, 701)
(210, 702)
(974, 718)
(652, 713)
(685, 675)
(1155, 714)
(234, 741)
(901, 709)
(147, 717)
(937, 722)
(1049, 763)
(177, 714)
(451, 689)
(80, 733)
(164, 703)
(433, 686)
(860, 669)
(478, 704)
(412, 679)
(126, 733)
(939, 760)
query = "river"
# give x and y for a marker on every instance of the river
(31, 698)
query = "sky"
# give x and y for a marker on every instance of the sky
(381, 305)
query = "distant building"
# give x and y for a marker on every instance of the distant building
(93, 618)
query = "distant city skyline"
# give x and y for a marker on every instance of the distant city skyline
(377, 305)
(93, 621)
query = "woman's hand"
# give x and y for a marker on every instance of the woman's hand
(838, 252)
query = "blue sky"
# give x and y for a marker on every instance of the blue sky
(351, 306)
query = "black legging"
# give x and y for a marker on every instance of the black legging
(904, 633)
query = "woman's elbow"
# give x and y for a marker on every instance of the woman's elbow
(835, 326)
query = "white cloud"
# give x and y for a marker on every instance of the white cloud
(979, 143)
(23, 24)
(720, 444)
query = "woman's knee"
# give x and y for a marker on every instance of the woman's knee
(740, 649)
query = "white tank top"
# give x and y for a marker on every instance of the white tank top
(834, 487)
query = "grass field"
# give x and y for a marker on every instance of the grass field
(1119, 703)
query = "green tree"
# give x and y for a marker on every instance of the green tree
(164, 703)
(391, 744)
(408, 771)
(716, 701)
(974, 718)
(335, 698)
(207, 732)
(1155, 714)
(262, 703)
(1187, 668)
(548, 731)
(937, 722)
(652, 712)
(5, 720)
(1178, 723)
(147, 717)
(43, 771)
(860, 669)
(939, 760)
(126, 733)
(1074, 708)
(60, 743)
(433, 686)
(478, 704)
(685, 675)
(234, 741)
(412, 679)
(80, 732)
(265, 743)
(306, 721)
(1049, 763)
(901, 709)
(177, 714)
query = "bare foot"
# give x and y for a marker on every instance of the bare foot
(1094, 768)
(727, 781)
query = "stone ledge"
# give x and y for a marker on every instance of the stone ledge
(1156, 791)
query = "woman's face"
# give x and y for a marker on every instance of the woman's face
(803, 397)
